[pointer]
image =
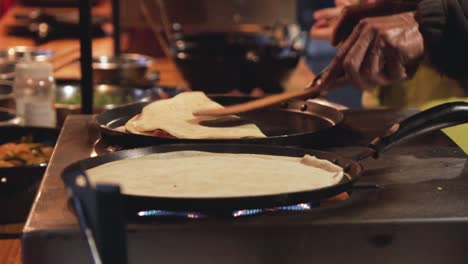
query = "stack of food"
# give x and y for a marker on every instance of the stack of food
(173, 118)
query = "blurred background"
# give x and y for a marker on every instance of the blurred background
(211, 13)
(231, 46)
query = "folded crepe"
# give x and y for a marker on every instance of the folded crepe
(173, 117)
(210, 175)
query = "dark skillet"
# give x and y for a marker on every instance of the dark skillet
(290, 124)
(18, 185)
(218, 62)
(436, 118)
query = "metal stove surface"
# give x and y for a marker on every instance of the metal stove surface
(418, 213)
(411, 206)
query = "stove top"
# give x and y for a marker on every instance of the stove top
(410, 206)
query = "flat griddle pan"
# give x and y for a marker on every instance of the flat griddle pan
(140, 203)
(292, 123)
(435, 118)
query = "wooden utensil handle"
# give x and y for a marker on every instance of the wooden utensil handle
(260, 103)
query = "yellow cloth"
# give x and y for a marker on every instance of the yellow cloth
(459, 134)
(427, 88)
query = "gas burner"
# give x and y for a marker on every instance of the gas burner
(235, 214)
(359, 194)
(249, 212)
(343, 199)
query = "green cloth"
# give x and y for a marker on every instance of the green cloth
(425, 89)
(459, 134)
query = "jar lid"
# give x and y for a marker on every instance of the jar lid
(33, 70)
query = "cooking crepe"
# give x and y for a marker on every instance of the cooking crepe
(194, 174)
(175, 117)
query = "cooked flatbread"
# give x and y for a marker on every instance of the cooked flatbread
(208, 175)
(130, 127)
(175, 117)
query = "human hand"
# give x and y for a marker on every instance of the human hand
(352, 14)
(381, 50)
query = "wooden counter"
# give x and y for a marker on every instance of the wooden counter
(10, 251)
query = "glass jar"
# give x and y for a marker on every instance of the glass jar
(34, 91)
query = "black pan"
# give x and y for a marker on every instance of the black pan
(218, 62)
(290, 124)
(138, 203)
(18, 185)
(432, 119)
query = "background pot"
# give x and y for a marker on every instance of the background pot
(218, 62)
(68, 97)
(128, 69)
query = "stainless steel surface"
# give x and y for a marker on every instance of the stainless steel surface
(420, 216)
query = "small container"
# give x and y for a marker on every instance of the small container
(34, 92)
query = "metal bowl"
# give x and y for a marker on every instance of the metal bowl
(10, 56)
(68, 97)
(105, 96)
(127, 69)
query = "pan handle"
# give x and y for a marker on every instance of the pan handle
(442, 116)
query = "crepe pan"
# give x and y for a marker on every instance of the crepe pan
(292, 123)
(435, 118)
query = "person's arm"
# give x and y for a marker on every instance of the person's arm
(444, 26)
(378, 49)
